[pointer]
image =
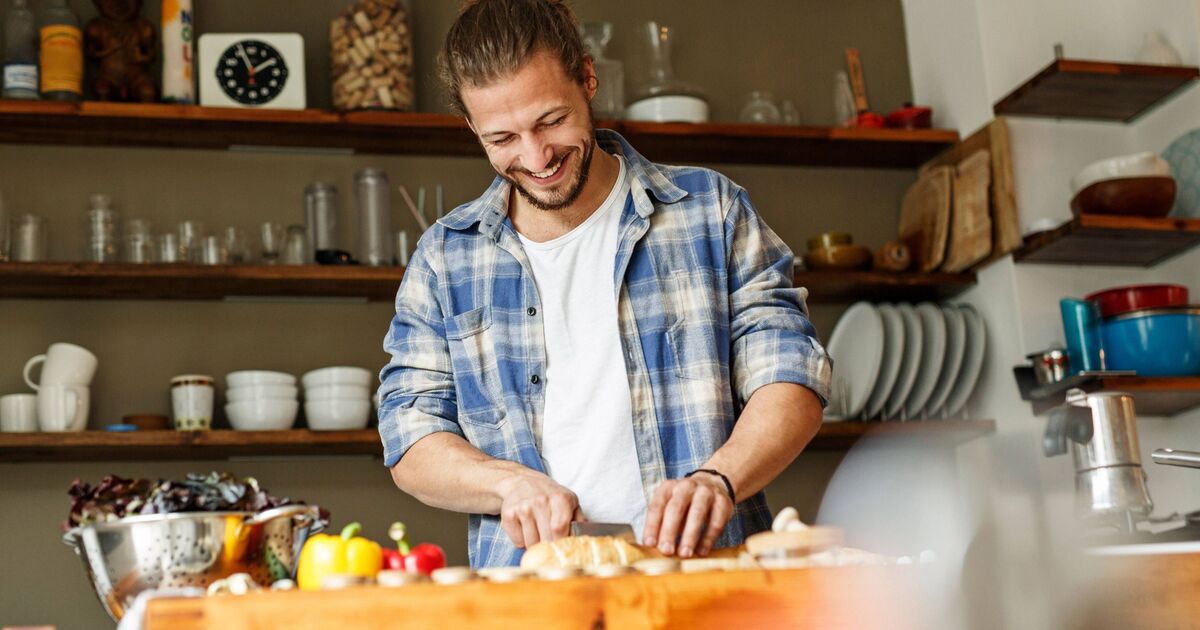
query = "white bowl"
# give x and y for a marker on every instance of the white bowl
(338, 376)
(262, 415)
(357, 392)
(1144, 164)
(337, 414)
(669, 108)
(242, 378)
(265, 392)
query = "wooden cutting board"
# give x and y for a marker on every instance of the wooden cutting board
(925, 217)
(970, 223)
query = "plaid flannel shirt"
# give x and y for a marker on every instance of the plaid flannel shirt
(706, 310)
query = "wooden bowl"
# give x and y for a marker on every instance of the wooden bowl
(839, 257)
(829, 239)
(1138, 196)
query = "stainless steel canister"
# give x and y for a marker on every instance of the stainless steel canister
(374, 203)
(320, 215)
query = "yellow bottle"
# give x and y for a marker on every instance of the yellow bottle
(61, 56)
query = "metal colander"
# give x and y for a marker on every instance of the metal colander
(139, 553)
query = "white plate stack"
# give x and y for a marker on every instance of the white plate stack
(261, 400)
(337, 398)
(905, 362)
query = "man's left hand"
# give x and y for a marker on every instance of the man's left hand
(685, 510)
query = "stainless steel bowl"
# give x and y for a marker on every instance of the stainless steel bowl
(139, 553)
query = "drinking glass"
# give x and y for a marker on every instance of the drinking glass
(191, 233)
(234, 244)
(139, 244)
(295, 249)
(168, 247)
(272, 235)
(29, 239)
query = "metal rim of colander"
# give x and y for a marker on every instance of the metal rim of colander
(71, 537)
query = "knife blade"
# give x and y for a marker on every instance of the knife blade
(616, 530)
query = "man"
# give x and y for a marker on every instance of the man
(578, 342)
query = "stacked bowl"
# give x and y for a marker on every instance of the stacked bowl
(261, 400)
(337, 398)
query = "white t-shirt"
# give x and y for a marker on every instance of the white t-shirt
(587, 434)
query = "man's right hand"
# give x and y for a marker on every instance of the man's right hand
(534, 508)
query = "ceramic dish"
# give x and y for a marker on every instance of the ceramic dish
(856, 347)
(1145, 164)
(889, 365)
(1120, 300)
(839, 257)
(1154, 342)
(338, 375)
(932, 356)
(1184, 158)
(1131, 196)
(914, 346)
(956, 338)
(972, 363)
(243, 378)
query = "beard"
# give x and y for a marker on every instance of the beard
(571, 188)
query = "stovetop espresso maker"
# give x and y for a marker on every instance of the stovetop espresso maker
(1100, 429)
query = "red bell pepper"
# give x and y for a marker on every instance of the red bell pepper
(423, 558)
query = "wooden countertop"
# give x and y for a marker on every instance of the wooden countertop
(858, 598)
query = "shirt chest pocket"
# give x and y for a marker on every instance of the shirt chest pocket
(471, 338)
(699, 328)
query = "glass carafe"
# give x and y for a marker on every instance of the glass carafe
(609, 101)
(663, 97)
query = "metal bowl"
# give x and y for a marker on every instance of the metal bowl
(140, 553)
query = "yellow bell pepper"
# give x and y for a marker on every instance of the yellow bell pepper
(324, 554)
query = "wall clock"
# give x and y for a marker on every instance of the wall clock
(259, 70)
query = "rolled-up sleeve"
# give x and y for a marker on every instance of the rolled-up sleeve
(416, 391)
(773, 339)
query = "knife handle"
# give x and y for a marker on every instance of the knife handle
(857, 83)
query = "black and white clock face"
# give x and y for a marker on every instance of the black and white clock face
(251, 72)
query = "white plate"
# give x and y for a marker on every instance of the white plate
(956, 333)
(889, 368)
(914, 345)
(856, 346)
(933, 323)
(972, 364)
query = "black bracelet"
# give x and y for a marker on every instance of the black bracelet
(728, 485)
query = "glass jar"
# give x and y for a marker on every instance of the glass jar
(760, 109)
(370, 46)
(663, 98)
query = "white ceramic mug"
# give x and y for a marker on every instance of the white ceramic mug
(64, 364)
(192, 402)
(62, 407)
(18, 413)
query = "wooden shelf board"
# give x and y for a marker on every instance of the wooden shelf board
(1095, 90)
(1152, 396)
(222, 444)
(75, 280)
(192, 126)
(1111, 240)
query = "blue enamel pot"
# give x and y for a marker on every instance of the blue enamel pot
(1154, 342)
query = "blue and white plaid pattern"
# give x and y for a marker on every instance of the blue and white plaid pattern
(706, 310)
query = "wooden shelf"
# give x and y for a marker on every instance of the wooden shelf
(70, 280)
(223, 444)
(1111, 240)
(1152, 396)
(194, 127)
(1095, 90)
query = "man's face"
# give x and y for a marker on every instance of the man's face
(536, 127)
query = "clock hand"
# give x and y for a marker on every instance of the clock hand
(245, 58)
(265, 64)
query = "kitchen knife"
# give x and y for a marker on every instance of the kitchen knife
(616, 530)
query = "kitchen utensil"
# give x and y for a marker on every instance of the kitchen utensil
(889, 363)
(338, 375)
(192, 402)
(956, 343)
(910, 117)
(1154, 342)
(894, 256)
(1132, 196)
(1174, 457)
(839, 257)
(18, 413)
(1101, 431)
(1183, 156)
(829, 239)
(262, 414)
(337, 414)
(616, 530)
(63, 407)
(910, 363)
(125, 557)
(63, 364)
(933, 323)
(1081, 326)
(29, 239)
(372, 196)
(320, 215)
(858, 85)
(1145, 164)
(1049, 366)
(970, 225)
(242, 378)
(250, 392)
(856, 347)
(925, 217)
(973, 356)
(1118, 300)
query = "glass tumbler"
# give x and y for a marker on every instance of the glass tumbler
(272, 236)
(168, 247)
(29, 239)
(102, 227)
(191, 233)
(760, 109)
(296, 248)
(139, 243)
(211, 252)
(234, 244)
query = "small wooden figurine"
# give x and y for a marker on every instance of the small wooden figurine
(123, 45)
